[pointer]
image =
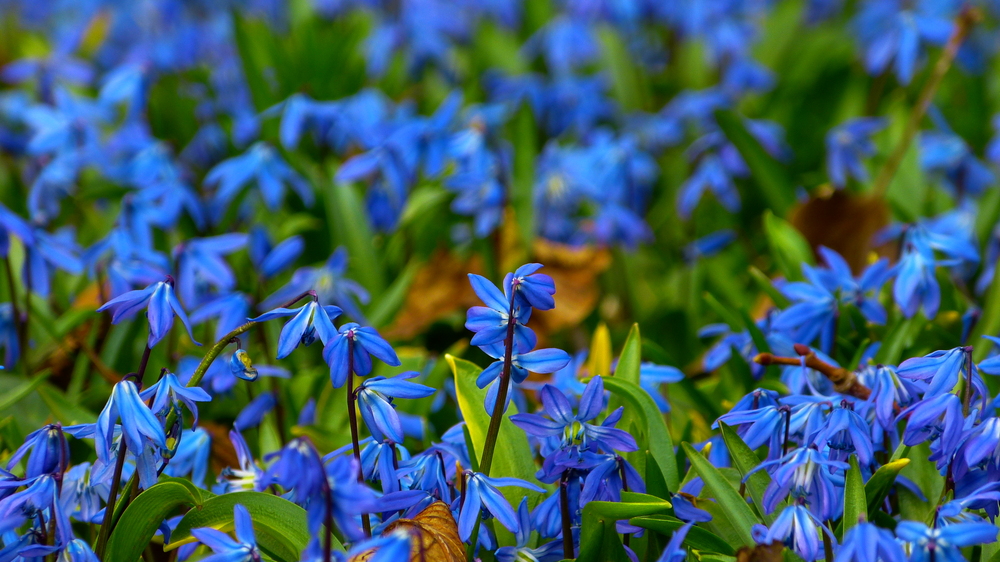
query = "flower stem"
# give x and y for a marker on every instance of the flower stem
(967, 391)
(966, 20)
(352, 415)
(328, 540)
(567, 523)
(15, 310)
(493, 432)
(27, 315)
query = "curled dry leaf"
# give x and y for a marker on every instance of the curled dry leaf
(843, 222)
(440, 288)
(433, 536)
(761, 553)
(575, 270)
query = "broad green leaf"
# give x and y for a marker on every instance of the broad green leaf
(855, 501)
(697, 538)
(879, 484)
(733, 509)
(770, 176)
(788, 247)
(142, 518)
(745, 459)
(599, 541)
(599, 362)
(281, 526)
(513, 455)
(349, 227)
(654, 435)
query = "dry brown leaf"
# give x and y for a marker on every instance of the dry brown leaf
(439, 288)
(761, 553)
(575, 270)
(842, 222)
(433, 536)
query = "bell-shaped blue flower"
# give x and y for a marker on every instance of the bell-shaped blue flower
(161, 305)
(930, 544)
(49, 452)
(365, 342)
(169, 392)
(139, 424)
(375, 396)
(805, 474)
(241, 367)
(482, 495)
(310, 321)
(490, 322)
(796, 527)
(225, 548)
(864, 542)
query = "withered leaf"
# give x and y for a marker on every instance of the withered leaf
(575, 270)
(433, 536)
(842, 222)
(761, 553)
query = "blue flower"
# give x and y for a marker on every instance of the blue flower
(943, 544)
(139, 426)
(49, 452)
(892, 33)
(191, 458)
(571, 430)
(764, 425)
(548, 552)
(846, 432)
(537, 361)
(161, 304)
(675, 551)
(888, 393)
(263, 165)
(864, 542)
(482, 495)
(490, 322)
(38, 497)
(710, 175)
(375, 396)
(83, 491)
(946, 155)
(796, 527)
(939, 372)
(254, 412)
(247, 476)
(310, 321)
(708, 245)
(243, 549)
(938, 419)
(229, 310)
(847, 144)
(915, 284)
(365, 342)
(169, 393)
(200, 264)
(604, 480)
(328, 282)
(805, 474)
(271, 260)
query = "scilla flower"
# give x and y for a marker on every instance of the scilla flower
(365, 342)
(226, 549)
(309, 322)
(375, 397)
(481, 494)
(161, 305)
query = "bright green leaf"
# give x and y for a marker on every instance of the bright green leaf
(140, 521)
(733, 509)
(745, 459)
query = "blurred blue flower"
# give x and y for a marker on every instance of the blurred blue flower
(271, 260)
(254, 412)
(329, 283)
(161, 304)
(847, 144)
(200, 264)
(260, 164)
(943, 543)
(796, 527)
(896, 33)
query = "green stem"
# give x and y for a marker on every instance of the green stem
(966, 20)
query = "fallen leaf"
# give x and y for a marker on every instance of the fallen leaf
(843, 222)
(433, 536)
(575, 270)
(440, 288)
(761, 553)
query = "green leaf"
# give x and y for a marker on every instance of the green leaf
(733, 510)
(788, 247)
(654, 435)
(281, 526)
(349, 226)
(21, 391)
(989, 322)
(65, 411)
(599, 541)
(513, 453)
(855, 500)
(879, 484)
(631, 357)
(899, 337)
(771, 177)
(143, 516)
(697, 538)
(745, 460)
(765, 284)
